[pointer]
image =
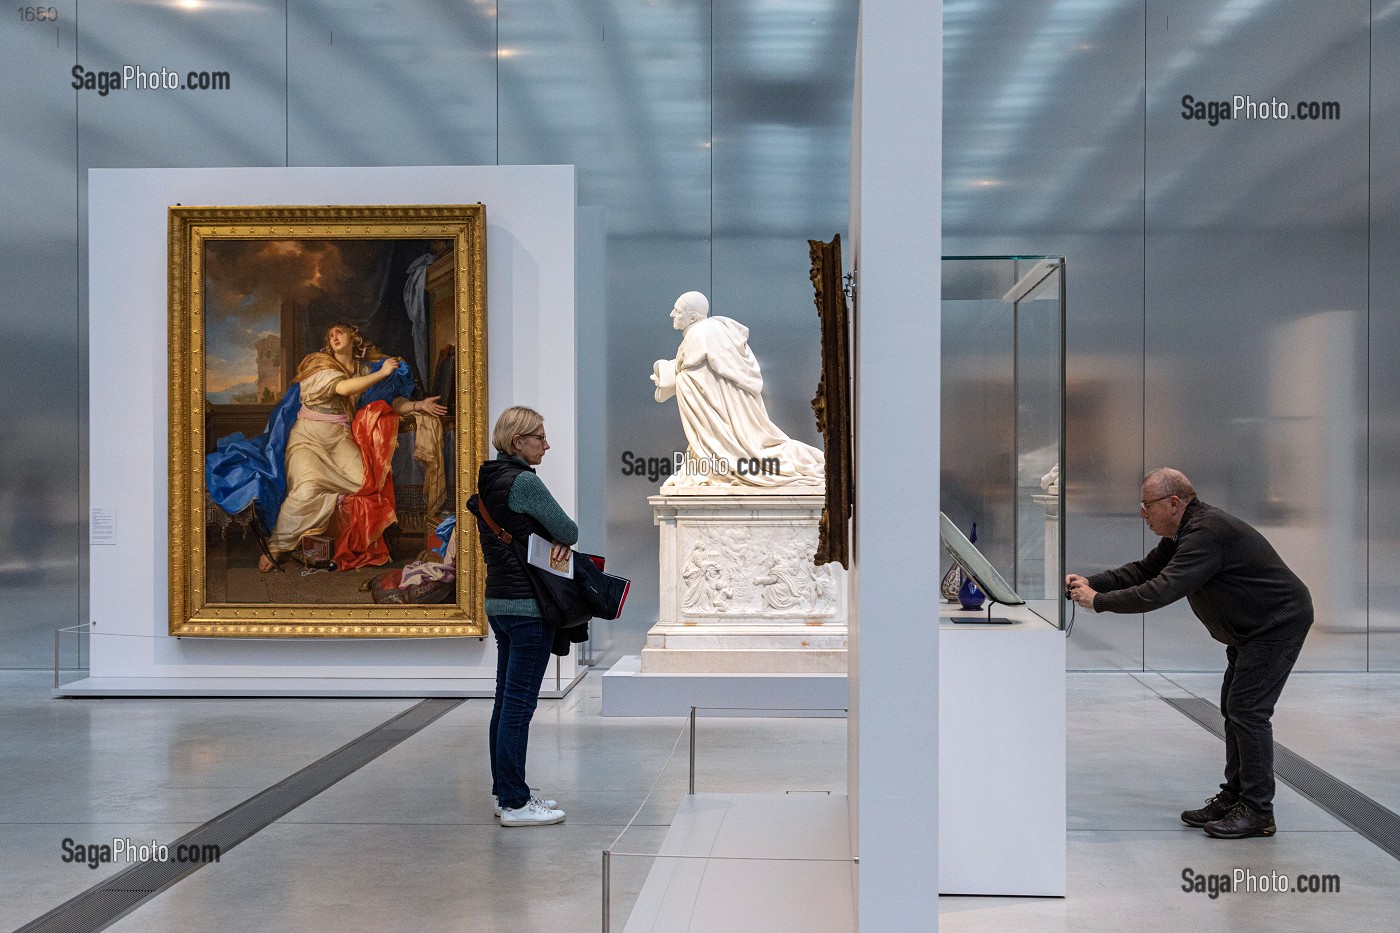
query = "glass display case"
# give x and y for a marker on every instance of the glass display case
(1003, 417)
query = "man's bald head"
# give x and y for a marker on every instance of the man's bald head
(1165, 481)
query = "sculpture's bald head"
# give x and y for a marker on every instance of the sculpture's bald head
(690, 307)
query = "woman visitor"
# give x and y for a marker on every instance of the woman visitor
(510, 492)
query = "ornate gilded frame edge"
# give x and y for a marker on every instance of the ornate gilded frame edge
(188, 227)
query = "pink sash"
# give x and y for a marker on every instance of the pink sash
(310, 415)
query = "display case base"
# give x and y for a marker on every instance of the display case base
(627, 691)
(771, 862)
(1001, 741)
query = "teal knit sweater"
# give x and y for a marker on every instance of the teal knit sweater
(529, 496)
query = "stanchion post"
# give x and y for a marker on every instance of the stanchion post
(692, 750)
(607, 893)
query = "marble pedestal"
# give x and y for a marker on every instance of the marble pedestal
(739, 593)
(1054, 577)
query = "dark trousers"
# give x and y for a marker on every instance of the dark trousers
(1254, 678)
(522, 656)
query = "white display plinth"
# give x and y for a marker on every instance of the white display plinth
(1001, 755)
(1050, 544)
(739, 593)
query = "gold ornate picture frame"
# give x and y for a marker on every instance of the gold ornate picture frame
(295, 495)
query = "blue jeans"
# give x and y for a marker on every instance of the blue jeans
(522, 656)
(1254, 678)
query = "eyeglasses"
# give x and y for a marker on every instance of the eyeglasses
(540, 436)
(1143, 505)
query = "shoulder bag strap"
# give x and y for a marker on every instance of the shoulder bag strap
(497, 530)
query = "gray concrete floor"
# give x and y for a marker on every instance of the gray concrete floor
(409, 843)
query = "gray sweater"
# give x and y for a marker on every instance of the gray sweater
(1235, 581)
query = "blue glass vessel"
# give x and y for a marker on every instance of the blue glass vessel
(970, 596)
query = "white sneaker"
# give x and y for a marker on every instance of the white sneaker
(548, 804)
(534, 813)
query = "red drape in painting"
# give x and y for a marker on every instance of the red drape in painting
(365, 514)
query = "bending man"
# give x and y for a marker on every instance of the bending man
(1248, 600)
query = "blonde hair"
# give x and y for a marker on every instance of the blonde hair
(514, 421)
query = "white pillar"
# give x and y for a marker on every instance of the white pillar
(896, 192)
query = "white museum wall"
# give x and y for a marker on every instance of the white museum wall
(591, 344)
(531, 360)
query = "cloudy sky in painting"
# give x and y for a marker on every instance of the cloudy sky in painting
(245, 283)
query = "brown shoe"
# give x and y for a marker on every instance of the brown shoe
(1241, 822)
(1215, 808)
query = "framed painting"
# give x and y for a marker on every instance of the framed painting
(327, 416)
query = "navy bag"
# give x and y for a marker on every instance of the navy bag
(565, 602)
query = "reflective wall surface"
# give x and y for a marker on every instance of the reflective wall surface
(1043, 153)
(711, 137)
(1228, 314)
(1383, 329)
(1232, 303)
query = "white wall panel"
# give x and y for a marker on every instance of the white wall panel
(530, 291)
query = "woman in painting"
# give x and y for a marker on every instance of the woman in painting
(509, 491)
(338, 450)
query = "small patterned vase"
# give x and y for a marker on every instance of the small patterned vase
(952, 582)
